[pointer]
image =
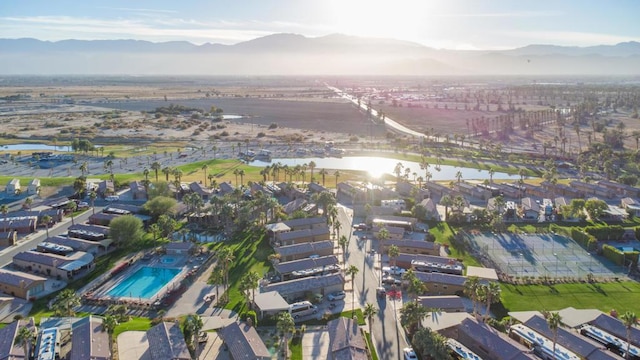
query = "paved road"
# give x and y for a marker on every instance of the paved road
(388, 336)
(30, 242)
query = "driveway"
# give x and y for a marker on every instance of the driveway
(315, 344)
(133, 345)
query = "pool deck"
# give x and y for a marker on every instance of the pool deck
(97, 293)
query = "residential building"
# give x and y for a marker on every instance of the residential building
(102, 219)
(442, 284)
(307, 267)
(105, 188)
(179, 248)
(13, 187)
(244, 342)
(444, 303)
(166, 342)
(88, 232)
(393, 232)
(306, 223)
(269, 304)
(413, 246)
(530, 209)
(431, 209)
(346, 341)
(304, 250)
(89, 340)
(52, 265)
(299, 288)
(95, 248)
(10, 349)
(200, 189)
(34, 187)
(316, 188)
(620, 189)
(138, 191)
(8, 238)
(489, 343)
(302, 236)
(20, 284)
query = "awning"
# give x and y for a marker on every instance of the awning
(78, 263)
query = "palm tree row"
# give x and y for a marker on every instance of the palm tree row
(487, 293)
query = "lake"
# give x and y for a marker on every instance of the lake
(377, 166)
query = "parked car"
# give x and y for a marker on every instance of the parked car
(338, 295)
(409, 354)
(203, 337)
(381, 291)
(393, 270)
(83, 205)
(361, 226)
(390, 280)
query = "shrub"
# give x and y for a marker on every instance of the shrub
(273, 126)
(619, 257)
(252, 315)
(261, 134)
(587, 241)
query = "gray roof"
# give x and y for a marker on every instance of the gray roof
(104, 230)
(89, 341)
(615, 327)
(425, 258)
(293, 223)
(166, 342)
(135, 209)
(497, 344)
(573, 317)
(305, 284)
(270, 301)
(443, 303)
(572, 341)
(244, 342)
(101, 216)
(75, 244)
(440, 278)
(304, 248)
(8, 348)
(304, 264)
(16, 278)
(346, 340)
(297, 234)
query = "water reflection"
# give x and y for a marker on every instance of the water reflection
(377, 166)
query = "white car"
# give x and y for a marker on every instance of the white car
(393, 270)
(338, 295)
(409, 354)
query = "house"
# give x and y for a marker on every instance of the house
(244, 342)
(89, 340)
(225, 188)
(307, 267)
(294, 205)
(203, 191)
(306, 223)
(302, 236)
(122, 209)
(430, 208)
(88, 232)
(438, 189)
(95, 248)
(445, 303)
(530, 209)
(166, 342)
(299, 288)
(102, 219)
(269, 303)
(105, 188)
(393, 232)
(53, 265)
(489, 343)
(413, 247)
(315, 188)
(561, 190)
(34, 187)
(138, 191)
(405, 260)
(13, 187)
(10, 349)
(8, 238)
(345, 340)
(356, 194)
(442, 284)
(405, 189)
(620, 189)
(304, 250)
(21, 284)
(20, 224)
(589, 189)
(631, 205)
(472, 190)
(616, 328)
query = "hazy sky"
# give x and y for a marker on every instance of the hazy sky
(454, 24)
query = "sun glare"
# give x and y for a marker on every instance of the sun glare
(403, 19)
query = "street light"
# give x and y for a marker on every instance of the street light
(522, 264)
(556, 255)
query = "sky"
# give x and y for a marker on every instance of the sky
(450, 24)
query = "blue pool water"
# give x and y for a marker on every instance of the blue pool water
(626, 248)
(144, 283)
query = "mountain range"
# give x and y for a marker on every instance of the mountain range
(292, 54)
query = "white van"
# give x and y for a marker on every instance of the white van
(302, 308)
(112, 198)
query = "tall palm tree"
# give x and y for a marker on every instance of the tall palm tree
(629, 319)
(167, 171)
(323, 173)
(205, 167)
(64, 303)
(337, 174)
(92, 198)
(285, 325)
(71, 206)
(46, 219)
(109, 324)
(411, 315)
(145, 172)
(241, 173)
(353, 271)
(471, 286)
(446, 201)
(194, 324)
(553, 321)
(393, 253)
(26, 337)
(383, 235)
(217, 277)
(236, 172)
(226, 257)
(155, 166)
(343, 242)
(369, 312)
(491, 295)
(252, 279)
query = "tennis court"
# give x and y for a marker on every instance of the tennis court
(537, 255)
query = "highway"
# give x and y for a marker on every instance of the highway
(388, 336)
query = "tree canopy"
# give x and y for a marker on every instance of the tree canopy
(126, 229)
(160, 205)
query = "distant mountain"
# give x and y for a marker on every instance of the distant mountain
(292, 54)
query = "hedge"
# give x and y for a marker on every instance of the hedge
(587, 241)
(619, 257)
(606, 232)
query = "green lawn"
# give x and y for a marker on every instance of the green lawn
(295, 346)
(443, 234)
(621, 296)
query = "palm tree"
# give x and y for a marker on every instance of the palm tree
(252, 279)
(84, 167)
(383, 235)
(352, 271)
(167, 171)
(553, 321)
(491, 173)
(217, 277)
(71, 206)
(26, 336)
(459, 176)
(145, 172)
(337, 174)
(411, 315)
(343, 242)
(629, 319)
(155, 166)
(236, 172)
(241, 173)
(398, 171)
(205, 167)
(491, 295)
(92, 198)
(471, 286)
(64, 303)
(323, 173)
(28, 202)
(109, 324)
(369, 312)
(46, 220)
(393, 251)
(226, 257)
(285, 325)
(4, 209)
(446, 201)
(312, 165)
(194, 324)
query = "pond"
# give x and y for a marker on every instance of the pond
(377, 166)
(20, 147)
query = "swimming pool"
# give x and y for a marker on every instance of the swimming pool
(144, 283)
(626, 248)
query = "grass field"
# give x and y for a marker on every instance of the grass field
(621, 296)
